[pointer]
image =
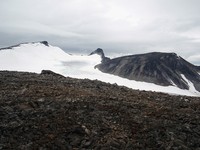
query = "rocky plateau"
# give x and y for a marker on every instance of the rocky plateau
(49, 111)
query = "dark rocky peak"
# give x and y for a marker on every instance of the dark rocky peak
(45, 43)
(98, 51)
(40, 42)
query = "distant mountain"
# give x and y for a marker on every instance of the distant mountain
(143, 70)
(160, 68)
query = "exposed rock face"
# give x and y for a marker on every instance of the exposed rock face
(159, 68)
(49, 72)
(45, 43)
(100, 52)
(47, 111)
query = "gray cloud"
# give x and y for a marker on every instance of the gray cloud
(118, 26)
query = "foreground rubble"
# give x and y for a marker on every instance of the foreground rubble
(49, 111)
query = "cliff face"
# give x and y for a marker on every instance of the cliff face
(49, 111)
(159, 68)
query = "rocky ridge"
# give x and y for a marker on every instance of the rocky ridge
(49, 111)
(160, 68)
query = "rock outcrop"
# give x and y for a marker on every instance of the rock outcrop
(100, 52)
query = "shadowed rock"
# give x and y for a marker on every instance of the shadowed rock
(160, 68)
(49, 72)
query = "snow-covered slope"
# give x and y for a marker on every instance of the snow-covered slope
(34, 57)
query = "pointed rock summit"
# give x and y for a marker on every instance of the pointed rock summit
(45, 43)
(100, 52)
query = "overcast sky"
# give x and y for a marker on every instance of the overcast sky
(118, 26)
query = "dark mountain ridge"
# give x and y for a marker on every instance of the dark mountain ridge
(160, 68)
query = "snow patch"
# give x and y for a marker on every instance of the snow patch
(190, 84)
(172, 82)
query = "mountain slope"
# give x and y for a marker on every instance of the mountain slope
(160, 68)
(48, 111)
(38, 56)
(32, 57)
